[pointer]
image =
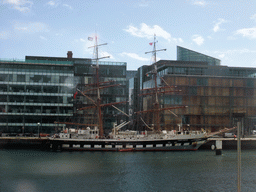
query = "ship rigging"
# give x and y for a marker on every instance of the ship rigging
(156, 91)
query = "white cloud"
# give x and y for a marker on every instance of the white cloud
(199, 40)
(146, 31)
(105, 54)
(30, 27)
(216, 27)
(68, 6)
(20, 5)
(199, 3)
(233, 52)
(177, 40)
(134, 56)
(221, 55)
(247, 32)
(53, 3)
(43, 38)
(82, 40)
(56, 3)
(59, 34)
(231, 38)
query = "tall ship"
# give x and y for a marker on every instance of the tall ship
(154, 137)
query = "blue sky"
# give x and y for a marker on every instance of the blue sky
(219, 28)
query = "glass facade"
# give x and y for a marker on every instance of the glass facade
(35, 94)
(212, 101)
(242, 72)
(184, 54)
(214, 94)
(133, 101)
(112, 76)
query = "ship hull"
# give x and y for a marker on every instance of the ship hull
(128, 145)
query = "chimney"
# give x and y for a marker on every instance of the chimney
(69, 54)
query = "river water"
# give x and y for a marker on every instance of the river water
(37, 171)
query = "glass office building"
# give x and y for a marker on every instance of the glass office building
(37, 94)
(216, 96)
(34, 94)
(184, 54)
(114, 90)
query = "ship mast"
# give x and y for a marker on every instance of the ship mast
(96, 86)
(154, 72)
(98, 102)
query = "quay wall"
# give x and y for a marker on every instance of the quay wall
(44, 143)
(230, 143)
(23, 142)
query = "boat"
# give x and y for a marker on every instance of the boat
(154, 138)
(126, 150)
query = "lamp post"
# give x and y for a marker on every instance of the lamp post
(239, 126)
(38, 124)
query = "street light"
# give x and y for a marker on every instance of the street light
(38, 129)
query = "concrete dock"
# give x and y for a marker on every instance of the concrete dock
(230, 143)
(24, 142)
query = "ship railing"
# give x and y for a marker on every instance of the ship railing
(121, 125)
(189, 132)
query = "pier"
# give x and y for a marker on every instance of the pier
(231, 143)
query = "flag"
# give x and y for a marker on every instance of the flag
(150, 43)
(90, 38)
(75, 94)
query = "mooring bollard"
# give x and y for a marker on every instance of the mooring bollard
(218, 147)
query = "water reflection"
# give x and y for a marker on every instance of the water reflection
(25, 186)
(26, 170)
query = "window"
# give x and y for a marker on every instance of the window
(3, 77)
(46, 78)
(202, 81)
(193, 90)
(250, 82)
(20, 78)
(62, 79)
(170, 70)
(173, 100)
(36, 78)
(10, 77)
